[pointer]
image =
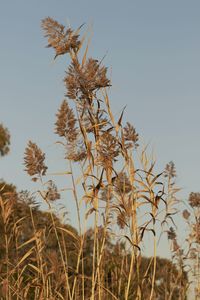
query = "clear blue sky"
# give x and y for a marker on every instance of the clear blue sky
(153, 51)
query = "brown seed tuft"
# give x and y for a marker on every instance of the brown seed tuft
(171, 234)
(66, 123)
(75, 153)
(52, 191)
(83, 81)
(122, 184)
(170, 170)
(186, 214)
(63, 41)
(108, 150)
(4, 140)
(194, 199)
(131, 137)
(34, 160)
(122, 219)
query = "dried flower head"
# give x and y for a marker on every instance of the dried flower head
(170, 170)
(65, 125)
(4, 140)
(106, 193)
(26, 197)
(63, 41)
(122, 184)
(186, 214)
(83, 81)
(194, 199)
(34, 160)
(122, 219)
(108, 149)
(131, 137)
(101, 234)
(196, 232)
(171, 234)
(52, 191)
(76, 153)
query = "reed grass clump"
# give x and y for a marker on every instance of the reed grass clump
(115, 187)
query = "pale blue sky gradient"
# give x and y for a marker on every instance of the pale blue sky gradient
(153, 54)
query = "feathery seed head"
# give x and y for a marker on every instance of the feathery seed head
(122, 184)
(130, 136)
(52, 191)
(170, 170)
(108, 149)
(34, 160)
(186, 214)
(83, 81)
(66, 123)
(63, 41)
(171, 234)
(4, 140)
(194, 199)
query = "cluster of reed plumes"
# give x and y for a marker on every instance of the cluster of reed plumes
(115, 187)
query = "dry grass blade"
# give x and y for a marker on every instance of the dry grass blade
(33, 239)
(77, 238)
(26, 255)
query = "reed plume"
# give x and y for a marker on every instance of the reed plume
(34, 160)
(63, 41)
(4, 140)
